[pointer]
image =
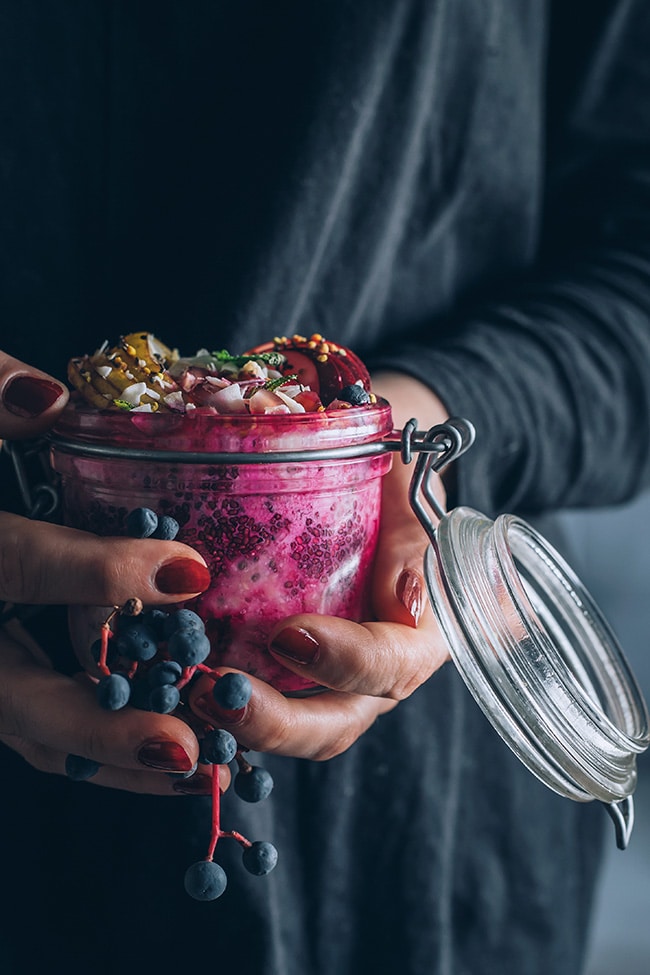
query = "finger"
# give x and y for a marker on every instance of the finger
(317, 728)
(49, 564)
(381, 659)
(49, 760)
(30, 400)
(44, 706)
(398, 587)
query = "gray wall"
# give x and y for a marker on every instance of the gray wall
(610, 551)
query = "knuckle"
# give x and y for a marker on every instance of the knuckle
(278, 739)
(334, 747)
(406, 684)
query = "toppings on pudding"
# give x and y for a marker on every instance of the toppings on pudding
(323, 366)
(285, 376)
(131, 375)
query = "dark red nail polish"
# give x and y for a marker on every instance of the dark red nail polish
(198, 785)
(168, 756)
(296, 644)
(206, 704)
(29, 396)
(410, 593)
(182, 575)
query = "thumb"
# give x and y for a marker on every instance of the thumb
(398, 588)
(30, 400)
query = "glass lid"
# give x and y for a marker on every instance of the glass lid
(532, 646)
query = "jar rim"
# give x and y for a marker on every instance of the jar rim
(190, 437)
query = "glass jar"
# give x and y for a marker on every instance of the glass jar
(284, 510)
(525, 635)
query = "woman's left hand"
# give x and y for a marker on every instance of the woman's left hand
(369, 666)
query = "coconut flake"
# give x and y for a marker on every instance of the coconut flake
(132, 394)
(266, 401)
(291, 403)
(103, 371)
(175, 401)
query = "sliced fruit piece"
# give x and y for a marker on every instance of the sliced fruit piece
(325, 367)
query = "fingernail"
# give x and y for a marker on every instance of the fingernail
(207, 705)
(182, 575)
(168, 756)
(296, 644)
(29, 396)
(198, 785)
(410, 593)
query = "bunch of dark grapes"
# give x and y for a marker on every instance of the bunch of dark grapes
(147, 658)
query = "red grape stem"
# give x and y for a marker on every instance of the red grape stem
(233, 834)
(216, 814)
(107, 633)
(186, 676)
(244, 766)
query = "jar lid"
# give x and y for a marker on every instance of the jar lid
(534, 649)
(537, 654)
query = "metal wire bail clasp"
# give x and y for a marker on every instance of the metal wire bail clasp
(437, 448)
(38, 494)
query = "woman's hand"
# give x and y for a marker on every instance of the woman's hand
(370, 666)
(44, 715)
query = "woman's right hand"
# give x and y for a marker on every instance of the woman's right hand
(44, 715)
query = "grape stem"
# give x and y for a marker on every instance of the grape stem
(186, 677)
(216, 832)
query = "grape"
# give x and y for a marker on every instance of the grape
(183, 619)
(155, 619)
(355, 394)
(141, 523)
(253, 785)
(188, 647)
(164, 672)
(260, 858)
(113, 692)
(79, 769)
(136, 641)
(232, 691)
(167, 528)
(218, 747)
(205, 880)
(164, 699)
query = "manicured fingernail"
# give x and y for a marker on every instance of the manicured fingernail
(296, 644)
(207, 705)
(410, 593)
(168, 756)
(29, 396)
(198, 785)
(182, 575)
